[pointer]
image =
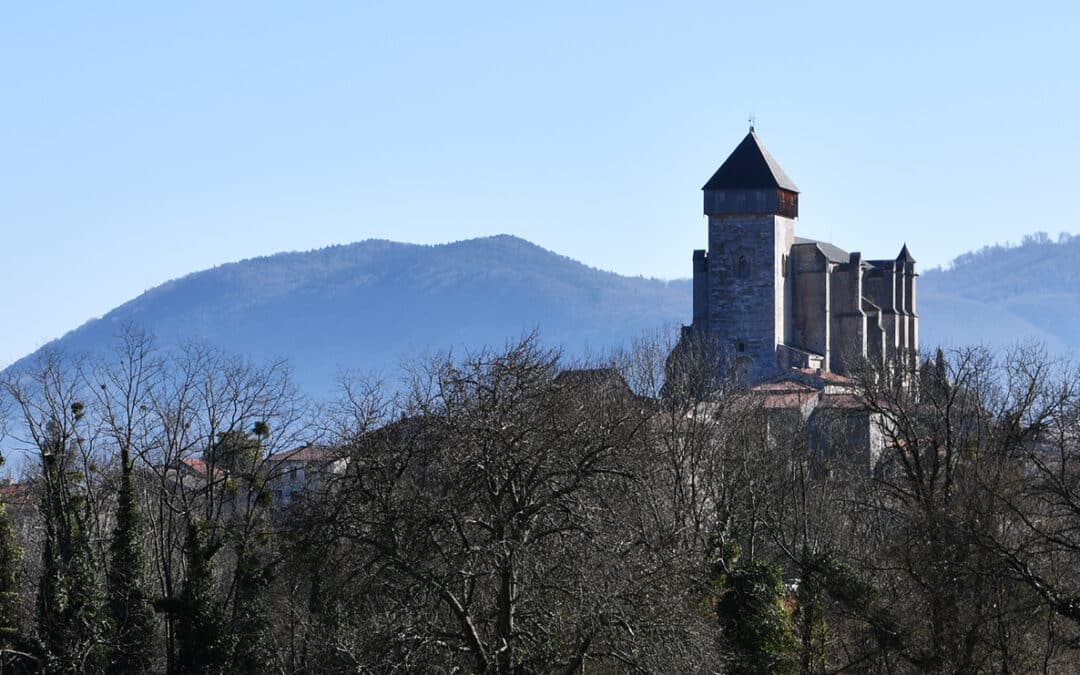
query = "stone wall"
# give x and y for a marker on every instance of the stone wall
(746, 287)
(809, 272)
(848, 319)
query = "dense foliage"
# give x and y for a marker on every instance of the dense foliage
(508, 512)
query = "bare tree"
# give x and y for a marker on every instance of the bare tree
(952, 447)
(496, 523)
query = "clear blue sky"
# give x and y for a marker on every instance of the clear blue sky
(140, 142)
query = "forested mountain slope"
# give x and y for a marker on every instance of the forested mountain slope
(368, 305)
(1000, 295)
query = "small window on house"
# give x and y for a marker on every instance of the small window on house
(740, 347)
(743, 267)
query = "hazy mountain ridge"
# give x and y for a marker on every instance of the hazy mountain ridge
(368, 304)
(1004, 294)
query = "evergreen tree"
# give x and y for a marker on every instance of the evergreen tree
(810, 616)
(51, 598)
(235, 451)
(11, 555)
(253, 652)
(131, 613)
(756, 628)
(69, 596)
(251, 622)
(206, 641)
(84, 647)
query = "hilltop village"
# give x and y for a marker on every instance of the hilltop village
(785, 487)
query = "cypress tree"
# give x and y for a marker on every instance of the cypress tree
(250, 617)
(203, 631)
(129, 608)
(84, 640)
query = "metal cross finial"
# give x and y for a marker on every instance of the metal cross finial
(751, 120)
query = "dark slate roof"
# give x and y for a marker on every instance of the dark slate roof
(905, 255)
(750, 167)
(833, 253)
(594, 380)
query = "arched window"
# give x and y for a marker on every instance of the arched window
(742, 269)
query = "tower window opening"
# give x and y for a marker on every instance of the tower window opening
(743, 267)
(740, 347)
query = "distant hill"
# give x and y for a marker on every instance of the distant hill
(367, 305)
(1000, 295)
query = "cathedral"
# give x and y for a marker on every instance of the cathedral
(782, 303)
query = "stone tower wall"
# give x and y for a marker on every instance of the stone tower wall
(774, 305)
(849, 334)
(913, 314)
(902, 317)
(746, 286)
(809, 272)
(879, 285)
(701, 291)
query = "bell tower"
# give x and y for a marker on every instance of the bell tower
(740, 287)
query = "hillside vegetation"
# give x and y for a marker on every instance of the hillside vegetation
(368, 305)
(1003, 294)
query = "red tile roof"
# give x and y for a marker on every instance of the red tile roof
(196, 465)
(783, 386)
(784, 395)
(788, 400)
(16, 495)
(823, 375)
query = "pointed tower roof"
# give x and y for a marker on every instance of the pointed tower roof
(750, 167)
(905, 254)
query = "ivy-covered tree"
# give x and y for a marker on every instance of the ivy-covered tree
(251, 616)
(813, 630)
(203, 630)
(69, 599)
(756, 629)
(11, 555)
(251, 620)
(129, 607)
